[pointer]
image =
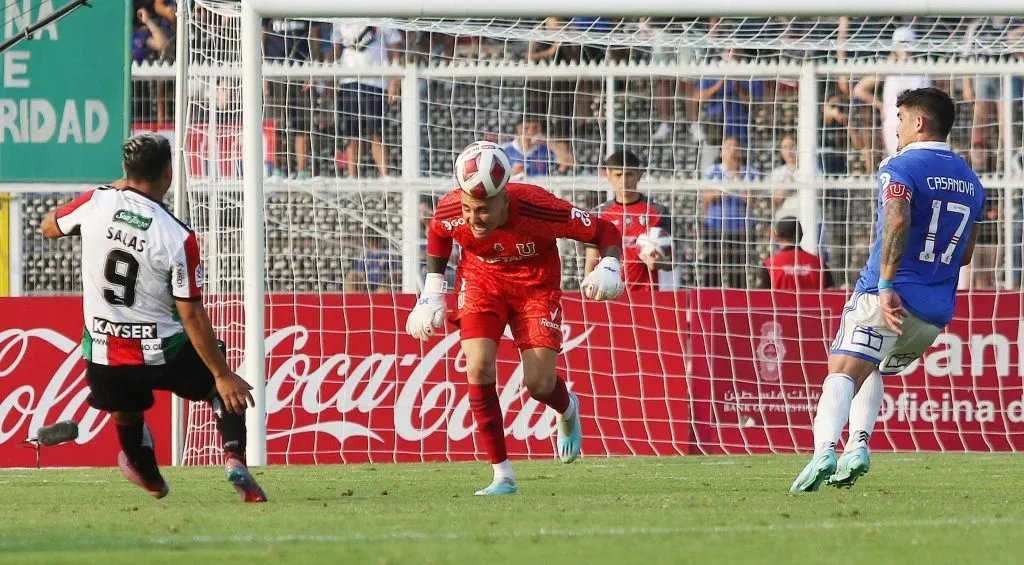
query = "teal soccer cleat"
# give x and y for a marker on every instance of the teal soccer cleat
(499, 486)
(570, 434)
(850, 468)
(245, 485)
(816, 472)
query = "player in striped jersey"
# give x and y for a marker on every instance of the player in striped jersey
(145, 325)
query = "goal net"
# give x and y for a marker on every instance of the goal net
(739, 123)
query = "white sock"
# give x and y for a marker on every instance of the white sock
(833, 411)
(503, 470)
(864, 411)
(571, 410)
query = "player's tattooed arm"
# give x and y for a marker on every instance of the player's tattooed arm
(436, 264)
(603, 235)
(612, 251)
(895, 231)
(439, 248)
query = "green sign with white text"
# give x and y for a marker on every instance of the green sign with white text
(64, 93)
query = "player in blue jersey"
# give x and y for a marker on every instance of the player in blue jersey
(929, 203)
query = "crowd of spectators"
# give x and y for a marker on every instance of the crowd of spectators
(725, 130)
(153, 30)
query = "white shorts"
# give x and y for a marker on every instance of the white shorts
(864, 334)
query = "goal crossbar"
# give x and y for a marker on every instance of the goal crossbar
(668, 8)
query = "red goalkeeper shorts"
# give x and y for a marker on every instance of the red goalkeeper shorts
(534, 315)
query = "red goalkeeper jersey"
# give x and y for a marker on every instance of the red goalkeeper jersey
(523, 250)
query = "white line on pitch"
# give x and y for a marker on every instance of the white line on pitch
(63, 482)
(543, 532)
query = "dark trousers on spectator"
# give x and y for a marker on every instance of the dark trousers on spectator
(833, 163)
(725, 259)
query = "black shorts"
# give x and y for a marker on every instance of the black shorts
(130, 388)
(361, 111)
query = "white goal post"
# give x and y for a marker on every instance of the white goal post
(254, 71)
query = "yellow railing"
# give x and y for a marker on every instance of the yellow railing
(5, 244)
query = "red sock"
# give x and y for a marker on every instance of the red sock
(558, 398)
(483, 401)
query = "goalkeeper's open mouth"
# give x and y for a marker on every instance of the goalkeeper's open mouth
(480, 231)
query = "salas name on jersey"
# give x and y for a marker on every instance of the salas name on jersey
(137, 259)
(134, 241)
(946, 200)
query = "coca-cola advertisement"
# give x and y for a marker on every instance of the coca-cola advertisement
(42, 382)
(760, 358)
(346, 384)
(710, 371)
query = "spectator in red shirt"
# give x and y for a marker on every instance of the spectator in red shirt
(634, 214)
(792, 268)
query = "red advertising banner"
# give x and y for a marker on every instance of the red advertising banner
(731, 372)
(42, 381)
(346, 384)
(759, 359)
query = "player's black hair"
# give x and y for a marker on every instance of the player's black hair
(788, 229)
(935, 104)
(146, 155)
(623, 159)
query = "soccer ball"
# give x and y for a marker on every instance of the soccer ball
(482, 169)
(654, 239)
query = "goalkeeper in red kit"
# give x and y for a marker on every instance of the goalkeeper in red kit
(510, 274)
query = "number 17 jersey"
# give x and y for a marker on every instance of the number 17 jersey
(137, 259)
(946, 200)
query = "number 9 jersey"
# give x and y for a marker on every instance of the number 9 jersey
(946, 200)
(137, 259)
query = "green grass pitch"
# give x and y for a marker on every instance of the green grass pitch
(913, 508)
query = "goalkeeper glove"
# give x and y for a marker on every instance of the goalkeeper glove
(430, 308)
(605, 281)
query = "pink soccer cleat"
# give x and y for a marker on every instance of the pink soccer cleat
(239, 476)
(158, 489)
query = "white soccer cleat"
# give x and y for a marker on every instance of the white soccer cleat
(816, 472)
(851, 466)
(570, 433)
(502, 485)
